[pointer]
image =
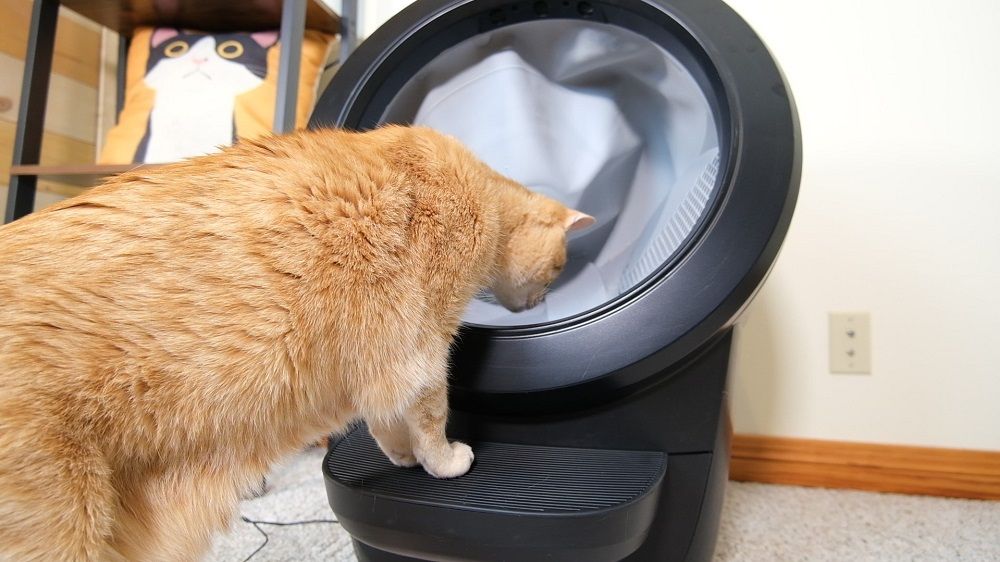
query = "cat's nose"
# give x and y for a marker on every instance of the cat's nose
(199, 60)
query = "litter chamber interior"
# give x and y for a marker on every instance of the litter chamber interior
(591, 114)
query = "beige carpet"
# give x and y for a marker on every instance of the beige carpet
(770, 523)
(760, 523)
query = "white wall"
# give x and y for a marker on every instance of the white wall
(373, 13)
(899, 102)
(897, 216)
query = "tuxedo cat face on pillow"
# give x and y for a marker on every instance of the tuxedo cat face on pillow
(196, 78)
(188, 92)
(192, 58)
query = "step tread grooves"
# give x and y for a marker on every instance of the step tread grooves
(505, 477)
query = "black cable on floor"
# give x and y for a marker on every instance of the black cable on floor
(256, 525)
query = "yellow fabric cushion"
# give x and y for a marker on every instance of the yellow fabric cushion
(203, 90)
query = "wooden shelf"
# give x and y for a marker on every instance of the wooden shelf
(124, 16)
(291, 17)
(83, 175)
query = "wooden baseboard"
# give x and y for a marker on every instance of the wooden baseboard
(881, 468)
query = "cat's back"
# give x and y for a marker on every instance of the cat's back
(146, 271)
(207, 248)
(256, 201)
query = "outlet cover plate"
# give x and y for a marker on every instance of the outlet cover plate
(850, 343)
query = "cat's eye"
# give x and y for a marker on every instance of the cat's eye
(176, 49)
(229, 49)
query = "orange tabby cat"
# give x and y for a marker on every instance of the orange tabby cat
(167, 336)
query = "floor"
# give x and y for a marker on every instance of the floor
(760, 523)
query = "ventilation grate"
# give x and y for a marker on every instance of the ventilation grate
(677, 229)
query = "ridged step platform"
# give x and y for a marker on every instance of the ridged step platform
(530, 502)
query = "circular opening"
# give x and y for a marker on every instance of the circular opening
(594, 115)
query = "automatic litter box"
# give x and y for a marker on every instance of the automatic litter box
(599, 419)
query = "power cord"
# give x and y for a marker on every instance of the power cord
(256, 525)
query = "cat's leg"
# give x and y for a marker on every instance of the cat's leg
(173, 515)
(408, 411)
(56, 500)
(394, 439)
(426, 418)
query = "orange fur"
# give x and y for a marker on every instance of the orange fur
(168, 335)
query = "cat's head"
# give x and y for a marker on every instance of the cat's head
(535, 250)
(190, 59)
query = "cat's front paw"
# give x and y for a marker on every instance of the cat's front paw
(405, 460)
(450, 465)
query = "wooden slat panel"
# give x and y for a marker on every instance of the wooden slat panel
(864, 466)
(78, 47)
(56, 149)
(107, 91)
(66, 190)
(72, 105)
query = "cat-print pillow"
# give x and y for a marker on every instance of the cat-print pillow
(189, 92)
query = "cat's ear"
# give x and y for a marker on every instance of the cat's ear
(161, 34)
(575, 220)
(265, 38)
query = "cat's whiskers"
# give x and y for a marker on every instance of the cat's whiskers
(486, 295)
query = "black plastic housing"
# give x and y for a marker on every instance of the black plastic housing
(688, 300)
(643, 372)
(394, 515)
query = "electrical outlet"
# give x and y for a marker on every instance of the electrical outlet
(850, 343)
